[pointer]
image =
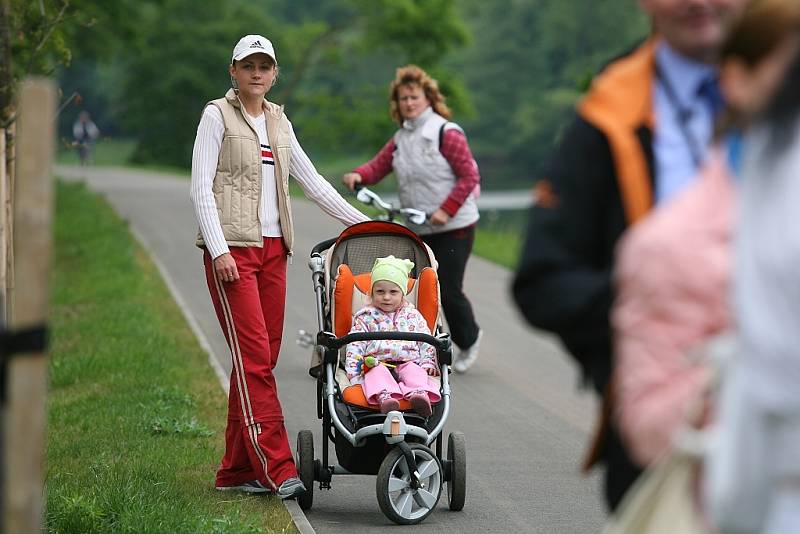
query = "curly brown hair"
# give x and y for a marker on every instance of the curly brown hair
(413, 76)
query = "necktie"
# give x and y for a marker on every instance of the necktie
(709, 92)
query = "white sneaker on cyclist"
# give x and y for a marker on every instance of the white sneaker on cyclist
(467, 357)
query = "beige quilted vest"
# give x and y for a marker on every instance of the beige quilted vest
(237, 183)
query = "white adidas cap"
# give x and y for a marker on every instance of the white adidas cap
(253, 44)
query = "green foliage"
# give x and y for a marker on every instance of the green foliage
(526, 66)
(498, 237)
(511, 69)
(47, 33)
(37, 36)
(336, 59)
(421, 31)
(171, 73)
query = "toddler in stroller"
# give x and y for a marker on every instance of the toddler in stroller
(369, 362)
(403, 447)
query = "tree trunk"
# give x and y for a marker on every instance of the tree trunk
(6, 83)
(6, 78)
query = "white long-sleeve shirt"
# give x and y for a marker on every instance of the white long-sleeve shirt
(205, 155)
(767, 283)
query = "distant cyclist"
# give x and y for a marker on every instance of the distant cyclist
(84, 133)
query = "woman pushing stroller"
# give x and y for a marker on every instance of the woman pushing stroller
(436, 173)
(369, 362)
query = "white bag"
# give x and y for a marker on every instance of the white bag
(661, 501)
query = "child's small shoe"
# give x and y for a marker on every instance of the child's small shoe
(388, 404)
(421, 403)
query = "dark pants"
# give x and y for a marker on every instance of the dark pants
(621, 472)
(452, 251)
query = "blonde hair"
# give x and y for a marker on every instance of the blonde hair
(413, 76)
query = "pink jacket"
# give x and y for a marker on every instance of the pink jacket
(673, 277)
(406, 319)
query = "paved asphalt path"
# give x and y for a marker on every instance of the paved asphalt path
(524, 421)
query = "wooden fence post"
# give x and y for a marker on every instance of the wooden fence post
(4, 228)
(8, 208)
(4, 241)
(26, 387)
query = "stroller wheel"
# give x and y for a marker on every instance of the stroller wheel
(398, 500)
(457, 460)
(305, 467)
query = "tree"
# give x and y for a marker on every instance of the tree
(333, 57)
(528, 64)
(36, 37)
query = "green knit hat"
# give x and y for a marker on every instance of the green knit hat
(392, 269)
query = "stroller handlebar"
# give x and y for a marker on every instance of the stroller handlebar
(319, 247)
(331, 342)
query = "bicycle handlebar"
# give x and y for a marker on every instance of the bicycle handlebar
(371, 198)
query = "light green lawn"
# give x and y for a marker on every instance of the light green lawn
(135, 413)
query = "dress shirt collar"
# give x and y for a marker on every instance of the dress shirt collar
(684, 75)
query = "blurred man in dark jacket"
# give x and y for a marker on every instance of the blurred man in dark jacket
(639, 135)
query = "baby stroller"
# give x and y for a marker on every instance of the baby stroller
(395, 446)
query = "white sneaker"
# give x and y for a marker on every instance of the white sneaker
(467, 357)
(254, 486)
(291, 488)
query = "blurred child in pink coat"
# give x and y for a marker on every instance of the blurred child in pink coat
(674, 268)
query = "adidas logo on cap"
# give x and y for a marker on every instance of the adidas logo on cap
(251, 44)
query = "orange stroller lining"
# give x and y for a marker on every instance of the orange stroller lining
(425, 296)
(355, 395)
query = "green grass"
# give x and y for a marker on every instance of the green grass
(107, 151)
(135, 414)
(498, 247)
(113, 153)
(499, 236)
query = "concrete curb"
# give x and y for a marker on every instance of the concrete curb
(298, 517)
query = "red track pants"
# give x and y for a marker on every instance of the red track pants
(250, 311)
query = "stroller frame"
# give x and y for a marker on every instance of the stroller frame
(409, 459)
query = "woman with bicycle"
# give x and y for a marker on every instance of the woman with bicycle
(436, 173)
